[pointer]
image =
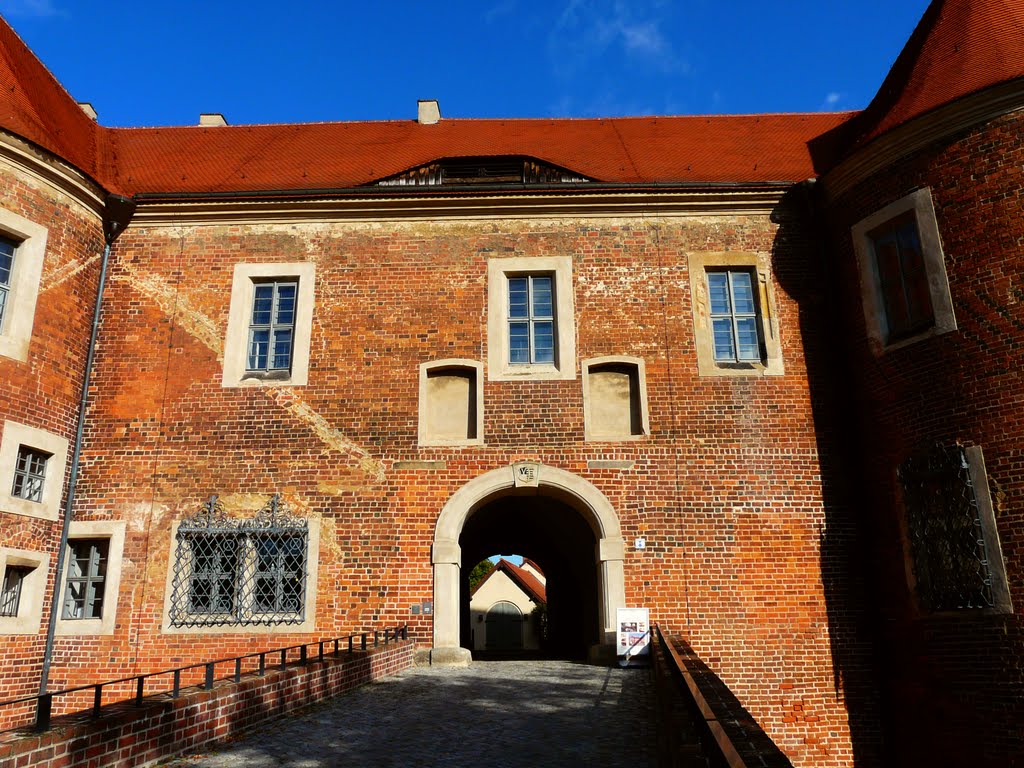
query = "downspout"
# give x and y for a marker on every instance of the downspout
(116, 215)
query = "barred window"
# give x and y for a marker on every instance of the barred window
(87, 574)
(10, 597)
(240, 572)
(30, 474)
(953, 542)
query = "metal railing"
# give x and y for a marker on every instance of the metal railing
(278, 658)
(715, 739)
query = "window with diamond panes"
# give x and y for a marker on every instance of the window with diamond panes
(272, 326)
(30, 474)
(10, 597)
(903, 278)
(531, 319)
(245, 572)
(7, 251)
(87, 573)
(734, 320)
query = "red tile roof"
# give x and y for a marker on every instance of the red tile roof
(525, 580)
(959, 47)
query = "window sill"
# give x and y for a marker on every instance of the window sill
(536, 372)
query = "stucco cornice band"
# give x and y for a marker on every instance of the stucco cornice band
(52, 171)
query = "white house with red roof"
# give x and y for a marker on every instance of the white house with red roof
(502, 607)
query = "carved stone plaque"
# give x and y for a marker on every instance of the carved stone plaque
(526, 474)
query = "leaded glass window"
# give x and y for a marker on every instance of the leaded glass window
(531, 319)
(7, 250)
(87, 573)
(734, 317)
(903, 277)
(272, 326)
(29, 474)
(231, 571)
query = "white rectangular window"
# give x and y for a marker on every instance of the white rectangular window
(531, 319)
(734, 321)
(272, 326)
(7, 250)
(30, 474)
(87, 573)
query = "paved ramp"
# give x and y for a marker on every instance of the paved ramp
(527, 714)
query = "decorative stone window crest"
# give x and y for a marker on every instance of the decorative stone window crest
(240, 572)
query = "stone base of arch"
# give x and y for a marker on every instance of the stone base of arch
(446, 554)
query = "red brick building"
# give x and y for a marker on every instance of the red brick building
(759, 374)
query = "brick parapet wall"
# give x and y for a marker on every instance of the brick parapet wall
(954, 685)
(129, 735)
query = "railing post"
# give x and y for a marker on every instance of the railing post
(303, 658)
(97, 700)
(376, 638)
(363, 640)
(209, 676)
(238, 669)
(387, 637)
(177, 684)
(351, 647)
(321, 650)
(44, 705)
(335, 646)
(405, 631)
(263, 664)
(140, 689)
(284, 658)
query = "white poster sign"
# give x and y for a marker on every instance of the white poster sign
(633, 630)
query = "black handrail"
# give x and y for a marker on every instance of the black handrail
(44, 701)
(716, 738)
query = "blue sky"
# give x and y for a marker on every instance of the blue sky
(158, 62)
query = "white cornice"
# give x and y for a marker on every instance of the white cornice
(934, 126)
(707, 202)
(50, 170)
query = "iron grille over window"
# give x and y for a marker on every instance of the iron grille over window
(734, 318)
(272, 326)
(30, 474)
(10, 598)
(240, 572)
(7, 249)
(87, 572)
(947, 543)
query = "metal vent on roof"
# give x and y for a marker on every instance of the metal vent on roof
(500, 169)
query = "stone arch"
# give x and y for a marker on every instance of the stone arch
(446, 554)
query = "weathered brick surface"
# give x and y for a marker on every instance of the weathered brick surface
(127, 735)
(729, 490)
(43, 392)
(954, 685)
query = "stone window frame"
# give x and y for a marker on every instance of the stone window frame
(919, 203)
(33, 590)
(236, 339)
(15, 436)
(114, 532)
(498, 271)
(307, 625)
(456, 363)
(641, 375)
(19, 315)
(702, 262)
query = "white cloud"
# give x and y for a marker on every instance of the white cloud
(34, 8)
(831, 101)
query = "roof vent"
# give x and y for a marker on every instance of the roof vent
(212, 119)
(88, 109)
(429, 112)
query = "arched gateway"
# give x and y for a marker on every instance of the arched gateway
(521, 479)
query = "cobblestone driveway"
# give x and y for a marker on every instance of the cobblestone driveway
(510, 713)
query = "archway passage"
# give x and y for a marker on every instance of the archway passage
(559, 540)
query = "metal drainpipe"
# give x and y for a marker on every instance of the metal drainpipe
(116, 215)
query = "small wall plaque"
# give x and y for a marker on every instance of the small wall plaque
(526, 474)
